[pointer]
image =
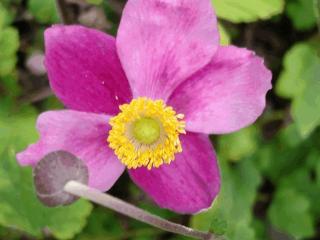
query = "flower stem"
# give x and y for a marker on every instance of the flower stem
(106, 200)
(62, 11)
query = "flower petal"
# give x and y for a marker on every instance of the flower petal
(162, 42)
(84, 69)
(82, 134)
(187, 185)
(228, 94)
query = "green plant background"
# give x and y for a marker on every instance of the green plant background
(270, 170)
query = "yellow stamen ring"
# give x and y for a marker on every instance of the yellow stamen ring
(146, 133)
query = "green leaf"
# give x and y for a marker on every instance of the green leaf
(234, 203)
(9, 43)
(218, 226)
(17, 128)
(242, 230)
(4, 17)
(280, 156)
(290, 135)
(105, 224)
(101, 223)
(300, 180)
(260, 229)
(306, 107)
(238, 145)
(7, 2)
(44, 11)
(7, 66)
(11, 234)
(247, 10)
(19, 206)
(52, 103)
(300, 80)
(290, 212)
(301, 13)
(95, 2)
(291, 81)
(3, 14)
(318, 173)
(10, 87)
(225, 38)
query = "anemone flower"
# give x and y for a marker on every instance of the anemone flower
(148, 100)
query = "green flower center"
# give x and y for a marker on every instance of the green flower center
(146, 130)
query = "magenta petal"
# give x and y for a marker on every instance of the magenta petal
(228, 94)
(82, 134)
(190, 183)
(162, 42)
(84, 69)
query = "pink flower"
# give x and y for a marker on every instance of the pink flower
(166, 51)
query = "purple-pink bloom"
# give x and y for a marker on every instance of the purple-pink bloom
(166, 50)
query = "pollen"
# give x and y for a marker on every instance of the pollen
(146, 133)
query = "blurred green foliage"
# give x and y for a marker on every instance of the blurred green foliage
(247, 10)
(233, 208)
(290, 211)
(300, 82)
(19, 205)
(43, 11)
(270, 170)
(302, 13)
(9, 42)
(96, 2)
(224, 36)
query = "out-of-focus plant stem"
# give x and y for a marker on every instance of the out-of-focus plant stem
(37, 95)
(63, 12)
